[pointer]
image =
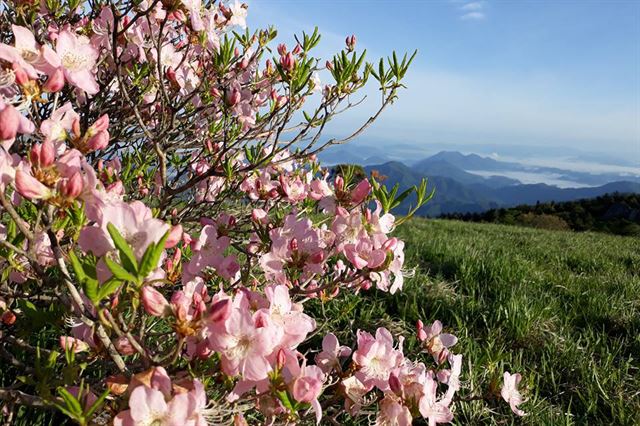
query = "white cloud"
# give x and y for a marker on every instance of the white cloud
(473, 16)
(476, 5)
(472, 11)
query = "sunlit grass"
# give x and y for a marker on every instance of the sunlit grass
(562, 308)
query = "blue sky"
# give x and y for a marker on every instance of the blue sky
(544, 73)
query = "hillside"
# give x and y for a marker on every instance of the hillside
(480, 194)
(613, 213)
(560, 307)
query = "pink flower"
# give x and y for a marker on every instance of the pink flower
(294, 189)
(151, 402)
(436, 342)
(147, 407)
(510, 392)
(134, 221)
(29, 187)
(354, 391)
(360, 192)
(56, 127)
(36, 57)
(331, 352)
(393, 413)
(307, 387)
(12, 123)
(296, 246)
(432, 409)
(209, 252)
(451, 377)
(78, 58)
(287, 315)
(376, 358)
(244, 343)
(238, 14)
(363, 254)
(154, 302)
(97, 136)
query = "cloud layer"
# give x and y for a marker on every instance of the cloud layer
(472, 11)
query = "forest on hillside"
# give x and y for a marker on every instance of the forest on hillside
(611, 213)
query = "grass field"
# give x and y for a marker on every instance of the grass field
(562, 308)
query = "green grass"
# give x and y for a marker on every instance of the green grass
(561, 308)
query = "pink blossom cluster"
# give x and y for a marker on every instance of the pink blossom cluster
(149, 202)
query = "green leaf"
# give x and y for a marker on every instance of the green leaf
(127, 257)
(283, 396)
(119, 272)
(77, 267)
(108, 288)
(91, 290)
(97, 403)
(73, 405)
(152, 255)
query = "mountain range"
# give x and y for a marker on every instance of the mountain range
(459, 190)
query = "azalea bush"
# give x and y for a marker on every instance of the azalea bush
(164, 222)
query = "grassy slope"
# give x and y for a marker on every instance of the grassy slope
(561, 308)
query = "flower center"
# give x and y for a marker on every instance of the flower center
(74, 62)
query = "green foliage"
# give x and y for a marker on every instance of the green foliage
(611, 213)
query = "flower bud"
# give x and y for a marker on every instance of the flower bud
(20, 74)
(72, 188)
(297, 50)
(282, 49)
(395, 385)
(30, 187)
(55, 82)
(360, 192)
(175, 235)
(390, 244)
(329, 65)
(9, 122)
(220, 311)
(8, 318)
(116, 188)
(154, 302)
(232, 97)
(101, 124)
(171, 75)
(339, 183)
(351, 42)
(98, 141)
(288, 62)
(47, 154)
(293, 244)
(75, 127)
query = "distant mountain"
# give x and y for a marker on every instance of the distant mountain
(468, 162)
(433, 166)
(472, 163)
(473, 195)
